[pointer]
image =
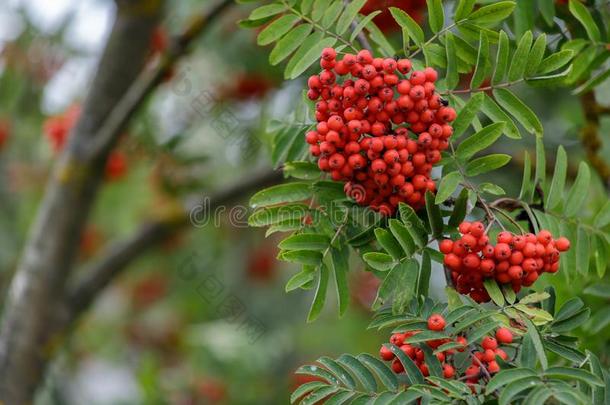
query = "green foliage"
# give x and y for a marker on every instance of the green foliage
(400, 251)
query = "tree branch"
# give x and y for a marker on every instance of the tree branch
(49, 253)
(121, 254)
(32, 312)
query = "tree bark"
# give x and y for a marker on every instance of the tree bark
(28, 322)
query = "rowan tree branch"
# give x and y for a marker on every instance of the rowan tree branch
(121, 254)
(32, 313)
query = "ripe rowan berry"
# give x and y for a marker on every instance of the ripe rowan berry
(436, 322)
(504, 335)
(489, 342)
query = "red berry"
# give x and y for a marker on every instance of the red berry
(489, 343)
(504, 335)
(436, 322)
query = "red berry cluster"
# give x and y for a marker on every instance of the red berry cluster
(57, 129)
(515, 259)
(357, 139)
(485, 358)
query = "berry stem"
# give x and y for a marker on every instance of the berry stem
(319, 27)
(435, 37)
(486, 88)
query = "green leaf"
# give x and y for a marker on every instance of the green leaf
(533, 333)
(289, 43)
(305, 241)
(452, 77)
(583, 15)
(402, 235)
(496, 114)
(519, 110)
(547, 9)
(492, 13)
(276, 29)
(520, 57)
(570, 308)
(302, 170)
(527, 185)
(491, 188)
(300, 279)
(501, 58)
(320, 296)
(555, 61)
(331, 14)
(602, 218)
(486, 164)
(564, 351)
(283, 193)
(304, 389)
(480, 71)
(379, 261)
(434, 365)
(363, 23)
(582, 251)
(434, 215)
(469, 321)
(479, 141)
(467, 114)
(516, 387)
(413, 373)
(366, 378)
(459, 209)
(491, 286)
(423, 277)
(540, 174)
(339, 260)
(273, 215)
(555, 194)
(535, 56)
(319, 7)
(318, 371)
(305, 6)
(307, 257)
(308, 53)
(319, 394)
(578, 374)
(405, 21)
(388, 243)
(447, 186)
(463, 9)
(379, 38)
(594, 81)
(381, 370)
(534, 297)
(600, 254)
(266, 11)
(436, 15)
(349, 15)
(540, 316)
(338, 371)
(505, 377)
(579, 191)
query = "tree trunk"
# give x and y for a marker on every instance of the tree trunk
(31, 309)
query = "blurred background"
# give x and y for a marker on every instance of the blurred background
(162, 333)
